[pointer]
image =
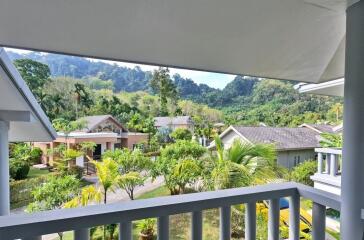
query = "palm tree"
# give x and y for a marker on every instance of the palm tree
(107, 174)
(243, 164)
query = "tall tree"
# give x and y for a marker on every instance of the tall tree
(35, 74)
(162, 84)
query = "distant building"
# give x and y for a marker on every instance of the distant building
(294, 145)
(103, 130)
(174, 122)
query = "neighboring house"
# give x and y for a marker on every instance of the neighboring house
(294, 145)
(174, 122)
(323, 128)
(104, 130)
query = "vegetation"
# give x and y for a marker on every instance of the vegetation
(181, 134)
(303, 172)
(331, 140)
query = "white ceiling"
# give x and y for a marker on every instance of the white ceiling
(299, 40)
(16, 96)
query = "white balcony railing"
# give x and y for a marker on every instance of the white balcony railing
(29, 226)
(329, 161)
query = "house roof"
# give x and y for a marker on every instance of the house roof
(283, 137)
(320, 128)
(166, 121)
(331, 88)
(301, 40)
(15, 95)
(93, 121)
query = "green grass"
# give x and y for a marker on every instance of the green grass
(35, 172)
(158, 192)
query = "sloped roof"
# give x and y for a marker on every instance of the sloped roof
(166, 121)
(320, 128)
(15, 95)
(301, 40)
(93, 121)
(283, 137)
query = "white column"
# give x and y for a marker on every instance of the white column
(4, 169)
(352, 187)
(319, 162)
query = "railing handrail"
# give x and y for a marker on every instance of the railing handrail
(337, 151)
(16, 226)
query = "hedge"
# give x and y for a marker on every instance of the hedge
(21, 191)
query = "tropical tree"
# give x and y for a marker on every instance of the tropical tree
(66, 127)
(181, 134)
(162, 84)
(142, 124)
(53, 194)
(174, 161)
(242, 164)
(133, 168)
(331, 140)
(107, 173)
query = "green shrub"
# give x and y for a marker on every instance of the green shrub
(35, 155)
(21, 191)
(181, 134)
(303, 172)
(76, 171)
(19, 169)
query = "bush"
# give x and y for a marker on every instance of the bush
(21, 191)
(35, 155)
(19, 169)
(303, 172)
(181, 134)
(77, 171)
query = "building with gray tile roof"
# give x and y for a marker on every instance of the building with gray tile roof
(174, 122)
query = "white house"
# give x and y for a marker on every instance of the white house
(294, 145)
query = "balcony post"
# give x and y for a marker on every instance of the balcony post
(196, 231)
(125, 231)
(294, 217)
(318, 221)
(328, 163)
(250, 221)
(333, 165)
(4, 169)
(352, 187)
(82, 234)
(163, 228)
(273, 219)
(319, 162)
(225, 225)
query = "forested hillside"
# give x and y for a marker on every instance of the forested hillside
(245, 100)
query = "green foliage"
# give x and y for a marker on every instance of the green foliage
(147, 227)
(19, 169)
(175, 158)
(331, 140)
(108, 174)
(242, 164)
(162, 85)
(65, 126)
(303, 172)
(129, 181)
(55, 192)
(181, 134)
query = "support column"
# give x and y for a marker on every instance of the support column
(352, 188)
(4, 169)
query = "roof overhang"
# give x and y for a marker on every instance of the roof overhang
(331, 88)
(27, 121)
(89, 135)
(302, 40)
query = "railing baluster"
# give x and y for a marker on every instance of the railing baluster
(196, 224)
(318, 221)
(320, 162)
(294, 217)
(333, 165)
(163, 228)
(125, 230)
(225, 230)
(250, 221)
(82, 234)
(273, 220)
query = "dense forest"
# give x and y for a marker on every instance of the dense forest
(245, 100)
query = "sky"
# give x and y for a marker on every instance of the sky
(215, 80)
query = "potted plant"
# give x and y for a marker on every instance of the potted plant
(146, 228)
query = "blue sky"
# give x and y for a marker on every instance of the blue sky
(216, 80)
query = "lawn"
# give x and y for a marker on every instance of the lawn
(35, 172)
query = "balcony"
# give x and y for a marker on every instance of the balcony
(328, 176)
(29, 226)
